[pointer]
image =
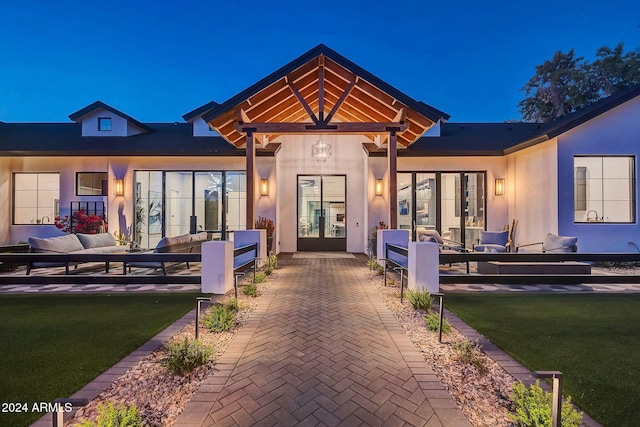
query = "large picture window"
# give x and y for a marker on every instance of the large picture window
(604, 189)
(91, 184)
(36, 198)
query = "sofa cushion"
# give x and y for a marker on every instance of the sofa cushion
(59, 244)
(96, 240)
(553, 243)
(430, 236)
(494, 237)
(490, 248)
(198, 237)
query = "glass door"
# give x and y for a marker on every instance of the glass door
(321, 224)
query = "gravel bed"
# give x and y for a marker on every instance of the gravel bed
(482, 396)
(159, 395)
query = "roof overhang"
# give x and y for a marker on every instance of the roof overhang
(322, 92)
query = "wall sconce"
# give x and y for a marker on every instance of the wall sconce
(499, 186)
(118, 187)
(264, 187)
(379, 187)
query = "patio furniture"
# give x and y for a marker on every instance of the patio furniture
(552, 243)
(493, 241)
(187, 243)
(445, 245)
(100, 243)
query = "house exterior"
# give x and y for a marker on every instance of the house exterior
(328, 151)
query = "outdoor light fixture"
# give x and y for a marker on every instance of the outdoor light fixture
(379, 187)
(321, 151)
(499, 186)
(118, 187)
(264, 187)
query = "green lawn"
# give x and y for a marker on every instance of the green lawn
(594, 339)
(52, 345)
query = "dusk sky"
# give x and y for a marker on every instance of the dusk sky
(159, 60)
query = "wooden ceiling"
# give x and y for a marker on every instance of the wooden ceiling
(320, 89)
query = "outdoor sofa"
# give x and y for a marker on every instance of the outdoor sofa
(186, 243)
(101, 243)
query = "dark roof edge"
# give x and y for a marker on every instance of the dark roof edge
(99, 104)
(575, 119)
(202, 109)
(372, 150)
(431, 113)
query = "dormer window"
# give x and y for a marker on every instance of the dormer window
(104, 123)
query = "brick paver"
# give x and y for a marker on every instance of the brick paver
(321, 349)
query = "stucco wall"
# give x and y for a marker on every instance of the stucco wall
(615, 132)
(533, 187)
(295, 159)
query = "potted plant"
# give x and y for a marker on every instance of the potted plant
(373, 237)
(267, 224)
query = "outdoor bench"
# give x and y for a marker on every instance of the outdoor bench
(186, 243)
(101, 243)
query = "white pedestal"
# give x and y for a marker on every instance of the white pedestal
(424, 273)
(217, 267)
(395, 237)
(249, 237)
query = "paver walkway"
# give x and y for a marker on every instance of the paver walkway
(322, 349)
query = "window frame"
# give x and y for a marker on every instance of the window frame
(104, 191)
(102, 120)
(56, 207)
(633, 188)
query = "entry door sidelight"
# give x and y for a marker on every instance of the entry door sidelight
(321, 220)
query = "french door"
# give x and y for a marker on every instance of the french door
(321, 224)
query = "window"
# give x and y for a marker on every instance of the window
(604, 188)
(104, 123)
(36, 198)
(91, 184)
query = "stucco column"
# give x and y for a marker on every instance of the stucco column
(392, 167)
(251, 180)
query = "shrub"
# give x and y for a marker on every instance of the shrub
(432, 321)
(379, 270)
(372, 264)
(470, 353)
(110, 415)
(272, 261)
(419, 299)
(533, 407)
(232, 304)
(268, 271)
(260, 277)
(251, 290)
(184, 356)
(219, 318)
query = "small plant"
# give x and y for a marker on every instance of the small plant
(532, 407)
(420, 299)
(266, 224)
(251, 290)
(391, 281)
(272, 261)
(372, 264)
(110, 415)
(232, 304)
(219, 319)
(470, 353)
(268, 271)
(432, 321)
(379, 270)
(184, 356)
(260, 277)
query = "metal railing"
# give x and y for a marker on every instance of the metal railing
(396, 265)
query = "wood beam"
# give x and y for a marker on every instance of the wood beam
(282, 128)
(304, 104)
(338, 103)
(321, 88)
(392, 167)
(251, 178)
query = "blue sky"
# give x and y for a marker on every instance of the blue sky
(159, 60)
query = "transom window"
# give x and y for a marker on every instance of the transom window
(604, 189)
(104, 123)
(36, 198)
(91, 184)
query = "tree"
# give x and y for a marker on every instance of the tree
(566, 83)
